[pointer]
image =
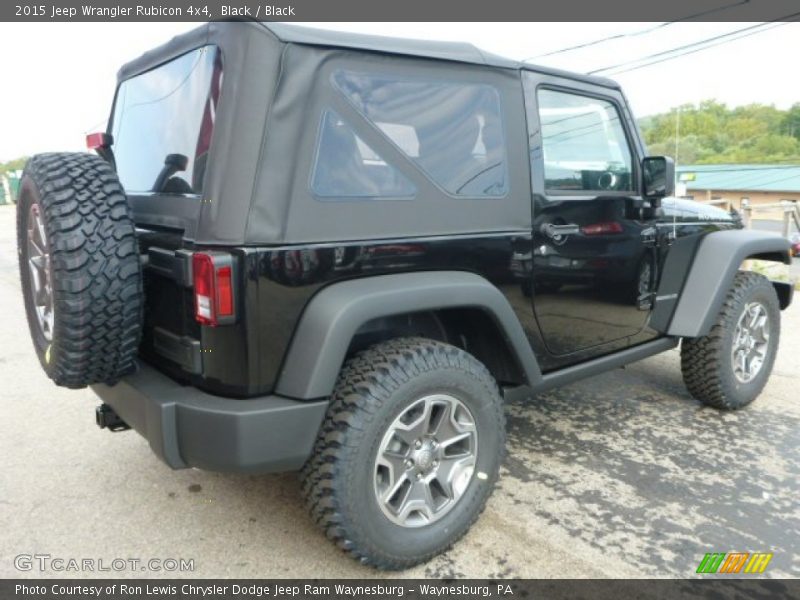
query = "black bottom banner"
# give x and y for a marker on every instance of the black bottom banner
(380, 589)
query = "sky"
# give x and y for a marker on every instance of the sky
(57, 79)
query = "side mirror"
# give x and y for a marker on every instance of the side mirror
(658, 177)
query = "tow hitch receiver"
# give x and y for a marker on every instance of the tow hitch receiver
(106, 417)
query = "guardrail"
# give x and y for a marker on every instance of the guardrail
(790, 213)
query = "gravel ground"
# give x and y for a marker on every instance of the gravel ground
(623, 475)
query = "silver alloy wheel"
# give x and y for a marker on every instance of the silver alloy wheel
(426, 460)
(750, 342)
(39, 269)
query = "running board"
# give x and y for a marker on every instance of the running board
(596, 366)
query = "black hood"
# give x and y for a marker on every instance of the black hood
(690, 209)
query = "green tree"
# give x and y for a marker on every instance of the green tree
(13, 165)
(711, 132)
(791, 121)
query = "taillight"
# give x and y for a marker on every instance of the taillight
(96, 141)
(213, 288)
(606, 228)
(224, 292)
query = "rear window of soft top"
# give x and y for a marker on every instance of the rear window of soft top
(163, 122)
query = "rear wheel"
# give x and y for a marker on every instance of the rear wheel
(408, 454)
(79, 268)
(729, 367)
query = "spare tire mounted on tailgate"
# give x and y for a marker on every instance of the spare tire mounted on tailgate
(80, 269)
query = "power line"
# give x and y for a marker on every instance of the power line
(674, 53)
(617, 36)
(668, 58)
(702, 43)
(636, 33)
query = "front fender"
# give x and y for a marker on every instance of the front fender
(718, 257)
(329, 322)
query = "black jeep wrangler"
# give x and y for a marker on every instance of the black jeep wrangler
(297, 249)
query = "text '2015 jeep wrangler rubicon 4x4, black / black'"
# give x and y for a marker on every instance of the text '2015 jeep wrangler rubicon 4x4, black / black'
(336, 253)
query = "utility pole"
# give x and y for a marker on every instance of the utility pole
(677, 132)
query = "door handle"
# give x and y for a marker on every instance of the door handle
(558, 231)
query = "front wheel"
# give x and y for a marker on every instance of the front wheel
(728, 368)
(408, 454)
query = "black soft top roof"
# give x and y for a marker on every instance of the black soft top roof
(454, 51)
(461, 52)
(256, 186)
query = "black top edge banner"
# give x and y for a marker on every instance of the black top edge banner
(406, 10)
(716, 588)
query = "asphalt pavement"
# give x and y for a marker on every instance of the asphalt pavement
(622, 475)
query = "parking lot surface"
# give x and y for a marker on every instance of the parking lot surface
(622, 475)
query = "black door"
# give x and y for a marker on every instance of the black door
(594, 253)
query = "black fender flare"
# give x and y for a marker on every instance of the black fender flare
(718, 257)
(332, 317)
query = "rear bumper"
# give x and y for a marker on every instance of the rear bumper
(190, 428)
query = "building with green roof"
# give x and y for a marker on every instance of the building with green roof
(731, 184)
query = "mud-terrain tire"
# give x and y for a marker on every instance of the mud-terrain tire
(77, 246)
(390, 383)
(712, 369)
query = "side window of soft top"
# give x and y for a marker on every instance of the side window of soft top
(452, 131)
(345, 166)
